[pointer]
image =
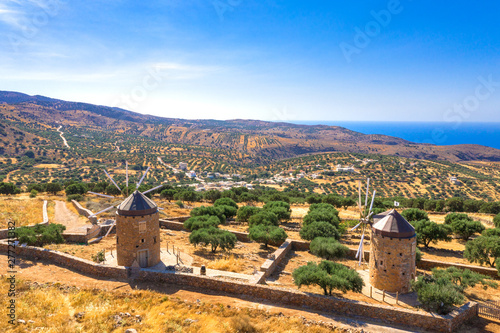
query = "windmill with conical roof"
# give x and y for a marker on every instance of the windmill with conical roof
(137, 226)
(392, 253)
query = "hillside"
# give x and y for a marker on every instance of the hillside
(253, 140)
(32, 150)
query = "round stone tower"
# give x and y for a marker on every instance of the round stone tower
(392, 253)
(137, 232)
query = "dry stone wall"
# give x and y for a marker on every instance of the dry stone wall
(269, 266)
(84, 211)
(385, 314)
(68, 261)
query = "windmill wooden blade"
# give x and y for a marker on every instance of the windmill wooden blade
(367, 188)
(126, 173)
(102, 211)
(109, 230)
(357, 225)
(111, 178)
(373, 200)
(102, 195)
(359, 202)
(152, 189)
(142, 178)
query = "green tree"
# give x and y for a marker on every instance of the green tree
(267, 234)
(465, 228)
(226, 202)
(9, 188)
(496, 221)
(245, 212)
(76, 188)
(319, 229)
(53, 188)
(484, 249)
(210, 210)
(431, 232)
(455, 205)
(280, 208)
(199, 222)
(414, 214)
(322, 215)
(214, 237)
(450, 217)
(211, 195)
(168, 194)
(328, 248)
(329, 276)
(263, 217)
(437, 295)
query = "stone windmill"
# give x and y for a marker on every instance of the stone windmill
(137, 227)
(393, 247)
(392, 253)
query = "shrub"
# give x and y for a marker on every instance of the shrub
(199, 222)
(319, 229)
(214, 237)
(179, 204)
(245, 212)
(41, 234)
(328, 248)
(418, 255)
(33, 193)
(99, 257)
(76, 197)
(414, 214)
(267, 234)
(329, 276)
(263, 217)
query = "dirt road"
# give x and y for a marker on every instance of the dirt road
(72, 221)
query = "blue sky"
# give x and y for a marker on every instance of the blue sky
(271, 60)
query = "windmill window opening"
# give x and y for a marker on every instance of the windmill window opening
(154, 239)
(142, 240)
(381, 262)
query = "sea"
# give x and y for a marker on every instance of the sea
(438, 133)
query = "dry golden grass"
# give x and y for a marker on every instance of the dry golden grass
(53, 309)
(22, 212)
(229, 264)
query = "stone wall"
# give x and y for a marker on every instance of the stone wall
(172, 225)
(382, 313)
(269, 266)
(422, 264)
(429, 264)
(68, 261)
(84, 211)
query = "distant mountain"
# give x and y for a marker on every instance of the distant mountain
(252, 138)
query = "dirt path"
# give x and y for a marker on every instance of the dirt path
(66, 217)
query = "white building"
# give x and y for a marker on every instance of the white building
(191, 174)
